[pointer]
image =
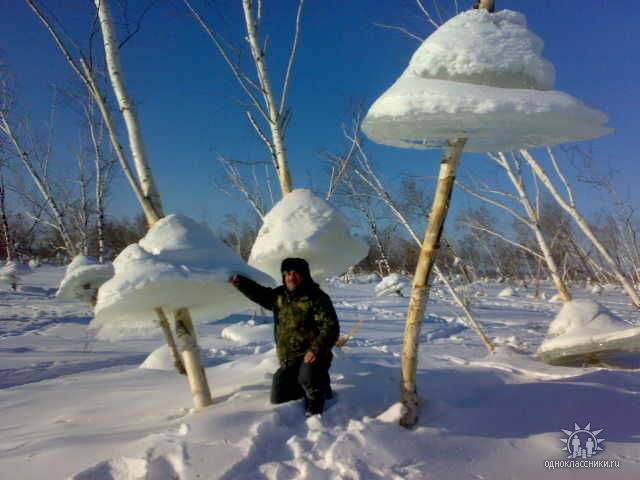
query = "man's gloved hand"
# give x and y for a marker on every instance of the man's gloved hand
(235, 280)
(309, 357)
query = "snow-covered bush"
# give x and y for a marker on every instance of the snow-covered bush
(304, 225)
(177, 264)
(83, 278)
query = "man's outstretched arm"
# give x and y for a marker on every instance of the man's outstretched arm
(263, 296)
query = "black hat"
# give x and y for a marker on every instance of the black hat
(299, 265)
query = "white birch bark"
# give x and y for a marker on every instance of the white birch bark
(86, 75)
(136, 141)
(188, 345)
(5, 221)
(571, 209)
(99, 186)
(274, 114)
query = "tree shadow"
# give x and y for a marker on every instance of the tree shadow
(480, 403)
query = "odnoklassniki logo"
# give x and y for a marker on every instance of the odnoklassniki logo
(582, 442)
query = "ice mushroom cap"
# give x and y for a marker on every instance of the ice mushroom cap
(178, 264)
(303, 225)
(495, 49)
(83, 277)
(584, 327)
(480, 76)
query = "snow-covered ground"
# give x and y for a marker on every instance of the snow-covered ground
(76, 407)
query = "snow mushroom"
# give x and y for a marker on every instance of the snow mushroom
(585, 331)
(83, 278)
(304, 225)
(178, 264)
(480, 76)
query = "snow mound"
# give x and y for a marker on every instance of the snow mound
(583, 317)
(480, 76)
(304, 225)
(393, 414)
(392, 284)
(596, 290)
(246, 333)
(159, 359)
(507, 292)
(583, 326)
(179, 263)
(83, 277)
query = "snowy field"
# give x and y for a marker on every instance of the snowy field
(76, 407)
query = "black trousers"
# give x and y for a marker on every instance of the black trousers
(299, 379)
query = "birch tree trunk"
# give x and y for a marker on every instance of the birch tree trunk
(188, 344)
(163, 322)
(571, 209)
(419, 289)
(274, 114)
(535, 226)
(136, 142)
(99, 165)
(55, 210)
(5, 221)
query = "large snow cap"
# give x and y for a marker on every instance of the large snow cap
(304, 225)
(178, 263)
(83, 277)
(584, 326)
(480, 76)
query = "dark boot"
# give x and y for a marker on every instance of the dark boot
(313, 406)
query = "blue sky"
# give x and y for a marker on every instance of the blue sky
(186, 93)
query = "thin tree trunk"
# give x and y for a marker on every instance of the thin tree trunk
(42, 187)
(535, 226)
(277, 135)
(163, 321)
(138, 150)
(5, 221)
(99, 189)
(584, 226)
(419, 289)
(188, 344)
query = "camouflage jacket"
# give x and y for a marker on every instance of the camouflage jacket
(304, 320)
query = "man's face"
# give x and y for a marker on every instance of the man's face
(292, 279)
